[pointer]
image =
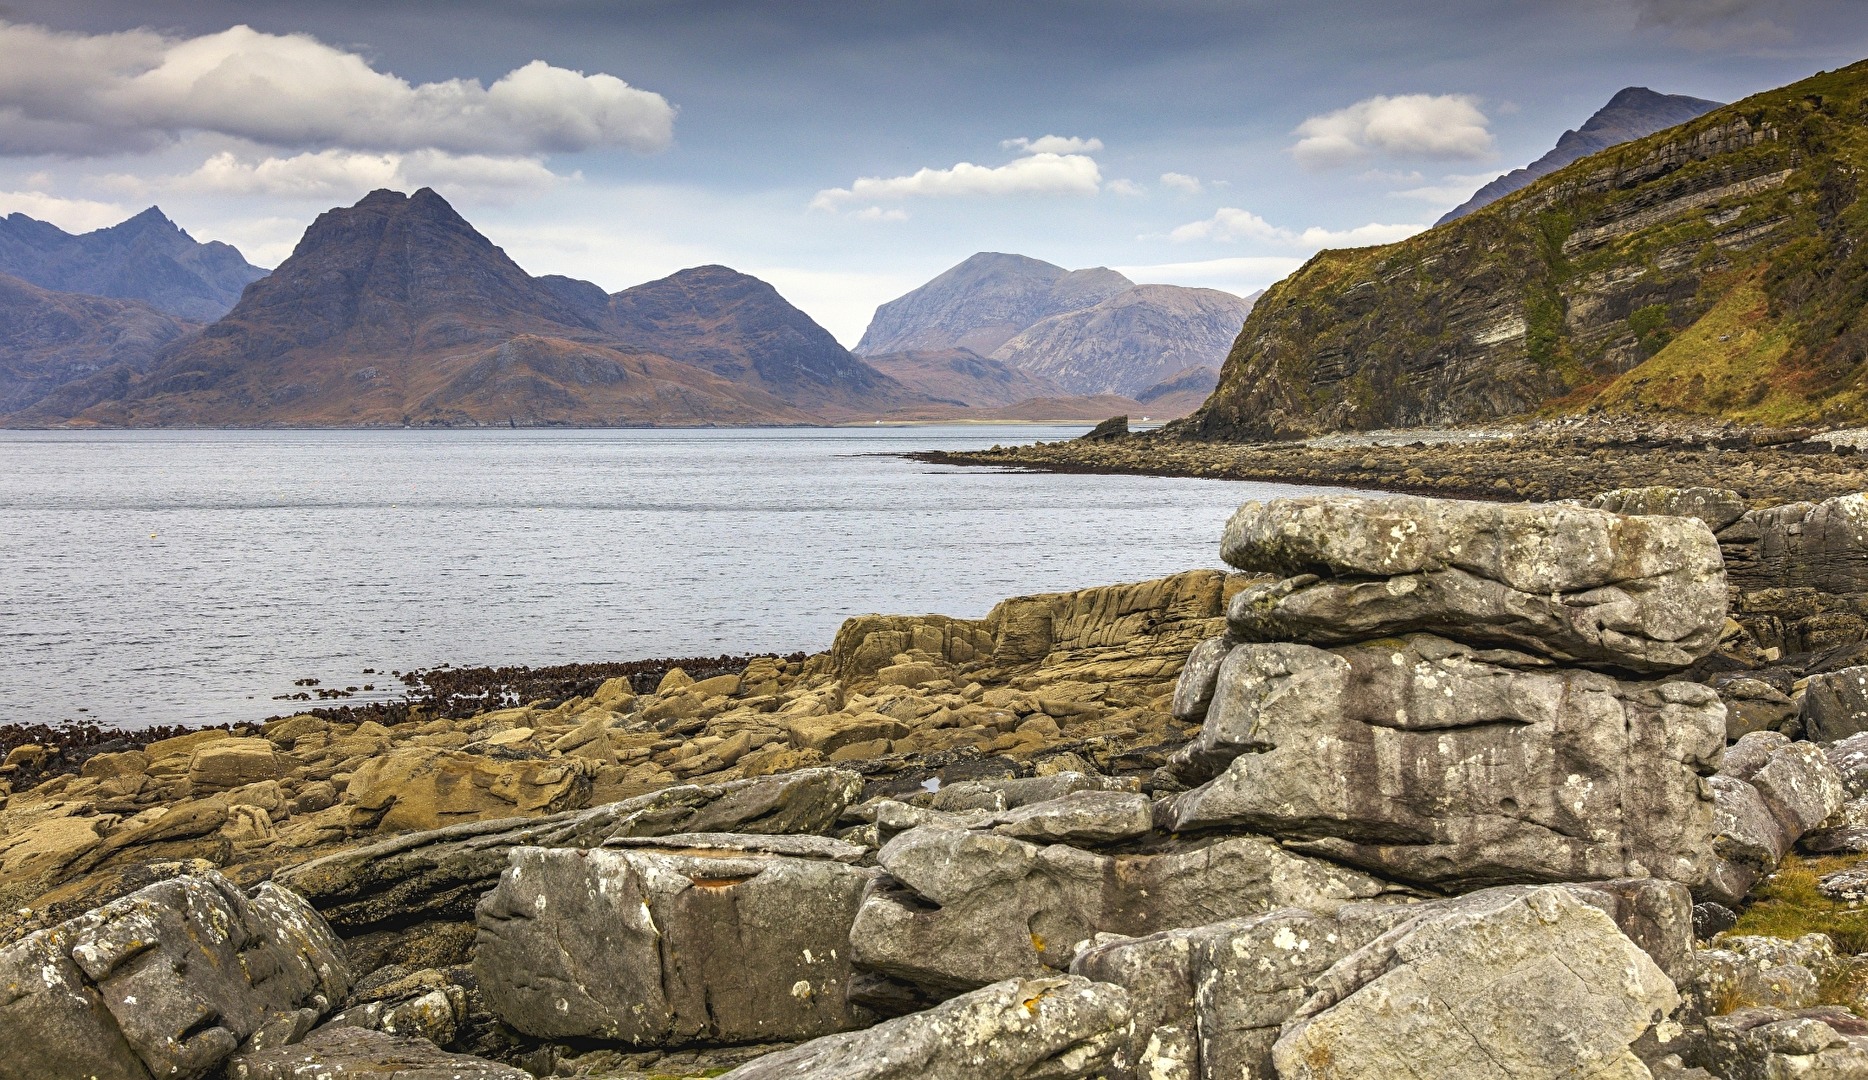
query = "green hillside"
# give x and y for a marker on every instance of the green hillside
(1716, 269)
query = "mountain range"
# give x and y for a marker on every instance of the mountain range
(1713, 269)
(147, 258)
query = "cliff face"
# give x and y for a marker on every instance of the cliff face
(1631, 114)
(146, 258)
(981, 303)
(1131, 341)
(51, 339)
(395, 311)
(1712, 269)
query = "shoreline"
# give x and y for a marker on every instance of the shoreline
(1535, 463)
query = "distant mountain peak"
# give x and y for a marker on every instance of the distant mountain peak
(1634, 112)
(146, 257)
(982, 301)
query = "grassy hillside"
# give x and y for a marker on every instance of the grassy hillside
(1713, 269)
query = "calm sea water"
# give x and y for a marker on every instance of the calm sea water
(188, 577)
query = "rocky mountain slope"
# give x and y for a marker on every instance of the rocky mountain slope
(964, 377)
(981, 303)
(1131, 341)
(398, 311)
(739, 328)
(50, 339)
(1631, 114)
(1711, 269)
(146, 258)
(1353, 809)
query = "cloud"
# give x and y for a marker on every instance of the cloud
(1408, 125)
(1181, 182)
(1453, 189)
(876, 213)
(1053, 144)
(1712, 24)
(1034, 174)
(1124, 187)
(344, 174)
(72, 215)
(1231, 224)
(92, 94)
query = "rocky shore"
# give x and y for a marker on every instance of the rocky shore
(1571, 458)
(1418, 787)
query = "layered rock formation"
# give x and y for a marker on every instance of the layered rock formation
(1693, 271)
(1112, 834)
(1632, 113)
(147, 258)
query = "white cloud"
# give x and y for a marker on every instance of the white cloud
(87, 94)
(1053, 144)
(1453, 189)
(1407, 125)
(1034, 174)
(1231, 224)
(1124, 187)
(72, 215)
(345, 174)
(1181, 182)
(876, 213)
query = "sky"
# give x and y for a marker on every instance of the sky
(849, 150)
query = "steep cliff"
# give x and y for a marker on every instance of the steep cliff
(1714, 268)
(1631, 114)
(146, 258)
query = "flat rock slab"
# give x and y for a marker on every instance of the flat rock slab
(655, 948)
(1064, 1028)
(1439, 764)
(441, 874)
(167, 982)
(348, 1053)
(1581, 586)
(1534, 987)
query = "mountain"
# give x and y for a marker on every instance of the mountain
(1180, 393)
(1713, 269)
(146, 258)
(395, 311)
(738, 327)
(50, 339)
(981, 303)
(963, 377)
(1130, 341)
(1632, 113)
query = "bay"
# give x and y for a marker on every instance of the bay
(151, 577)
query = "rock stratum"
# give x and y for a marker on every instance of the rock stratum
(1708, 270)
(1416, 787)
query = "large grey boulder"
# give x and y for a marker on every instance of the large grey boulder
(1822, 546)
(1534, 986)
(1769, 792)
(1581, 586)
(660, 948)
(961, 908)
(1439, 764)
(1061, 1028)
(442, 873)
(1211, 1001)
(1717, 507)
(1766, 1043)
(1835, 705)
(167, 982)
(358, 1054)
(1082, 818)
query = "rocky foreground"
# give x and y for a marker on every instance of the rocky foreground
(1423, 788)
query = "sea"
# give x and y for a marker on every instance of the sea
(196, 577)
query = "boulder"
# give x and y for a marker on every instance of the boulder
(1581, 586)
(670, 948)
(1822, 546)
(960, 909)
(1769, 792)
(441, 874)
(1083, 819)
(1770, 1043)
(225, 764)
(1539, 985)
(1439, 764)
(1835, 705)
(360, 1054)
(1717, 507)
(421, 787)
(1849, 758)
(167, 982)
(1062, 1028)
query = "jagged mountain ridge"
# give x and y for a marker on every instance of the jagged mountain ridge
(1131, 341)
(1711, 269)
(396, 310)
(983, 302)
(1634, 112)
(147, 257)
